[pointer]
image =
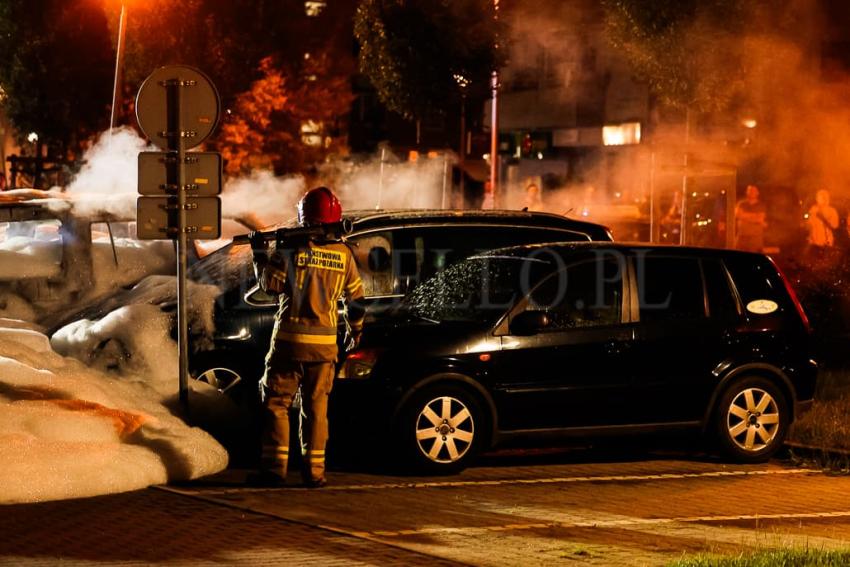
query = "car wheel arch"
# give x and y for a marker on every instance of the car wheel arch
(742, 371)
(454, 379)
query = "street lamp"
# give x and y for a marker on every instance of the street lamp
(463, 84)
(119, 53)
(494, 120)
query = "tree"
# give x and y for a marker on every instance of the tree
(56, 74)
(686, 50)
(415, 52)
(284, 123)
(277, 69)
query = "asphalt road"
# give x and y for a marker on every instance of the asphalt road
(571, 508)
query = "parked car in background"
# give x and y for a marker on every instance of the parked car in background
(581, 339)
(395, 251)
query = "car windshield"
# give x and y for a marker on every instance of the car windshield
(477, 290)
(227, 267)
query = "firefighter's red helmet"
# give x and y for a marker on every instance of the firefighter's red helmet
(319, 206)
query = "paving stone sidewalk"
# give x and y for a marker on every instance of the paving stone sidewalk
(151, 527)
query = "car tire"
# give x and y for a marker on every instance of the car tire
(442, 429)
(751, 420)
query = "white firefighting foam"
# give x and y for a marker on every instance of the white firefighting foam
(136, 339)
(69, 431)
(86, 412)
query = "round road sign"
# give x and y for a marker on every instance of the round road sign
(199, 108)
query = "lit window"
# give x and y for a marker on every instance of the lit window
(311, 133)
(314, 7)
(621, 134)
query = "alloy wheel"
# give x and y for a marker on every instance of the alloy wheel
(221, 379)
(753, 419)
(445, 430)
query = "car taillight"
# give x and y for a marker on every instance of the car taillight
(790, 289)
(358, 364)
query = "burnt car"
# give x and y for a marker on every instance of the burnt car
(582, 339)
(395, 251)
(61, 251)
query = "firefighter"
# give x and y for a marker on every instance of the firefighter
(310, 275)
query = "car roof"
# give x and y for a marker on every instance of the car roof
(366, 219)
(363, 219)
(571, 247)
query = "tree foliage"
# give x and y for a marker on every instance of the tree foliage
(415, 51)
(57, 70)
(689, 51)
(275, 67)
(283, 123)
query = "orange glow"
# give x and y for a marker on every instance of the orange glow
(124, 422)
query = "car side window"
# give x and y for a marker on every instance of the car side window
(373, 253)
(587, 294)
(669, 288)
(721, 301)
(439, 247)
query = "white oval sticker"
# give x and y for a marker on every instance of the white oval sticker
(762, 306)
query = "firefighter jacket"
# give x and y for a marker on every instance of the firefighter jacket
(311, 277)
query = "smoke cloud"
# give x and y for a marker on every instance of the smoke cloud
(108, 182)
(108, 178)
(786, 127)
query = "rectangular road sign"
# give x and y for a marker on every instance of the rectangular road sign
(158, 173)
(157, 218)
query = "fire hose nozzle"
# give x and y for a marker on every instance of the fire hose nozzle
(334, 231)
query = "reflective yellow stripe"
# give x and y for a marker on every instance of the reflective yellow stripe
(354, 285)
(332, 311)
(338, 288)
(295, 328)
(271, 452)
(307, 339)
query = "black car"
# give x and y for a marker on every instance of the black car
(395, 250)
(582, 339)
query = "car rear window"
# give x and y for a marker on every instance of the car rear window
(756, 279)
(669, 288)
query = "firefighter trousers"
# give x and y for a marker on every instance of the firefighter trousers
(283, 377)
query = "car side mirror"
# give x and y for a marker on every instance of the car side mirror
(529, 323)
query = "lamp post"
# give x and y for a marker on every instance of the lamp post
(119, 55)
(494, 121)
(463, 84)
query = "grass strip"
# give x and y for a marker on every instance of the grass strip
(826, 425)
(769, 558)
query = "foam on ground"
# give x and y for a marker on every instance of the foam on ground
(68, 430)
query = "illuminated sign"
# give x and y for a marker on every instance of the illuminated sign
(621, 134)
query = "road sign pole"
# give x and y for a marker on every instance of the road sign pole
(178, 108)
(182, 318)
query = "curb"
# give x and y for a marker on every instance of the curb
(815, 452)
